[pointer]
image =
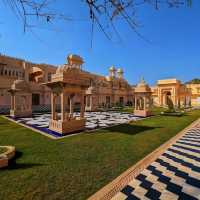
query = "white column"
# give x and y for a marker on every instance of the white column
(12, 101)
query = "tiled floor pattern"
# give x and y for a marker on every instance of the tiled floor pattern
(173, 175)
(95, 120)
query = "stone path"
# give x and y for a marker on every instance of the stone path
(173, 175)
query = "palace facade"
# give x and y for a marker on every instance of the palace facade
(104, 91)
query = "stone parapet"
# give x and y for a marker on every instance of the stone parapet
(142, 113)
(7, 155)
(67, 126)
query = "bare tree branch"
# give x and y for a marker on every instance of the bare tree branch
(103, 13)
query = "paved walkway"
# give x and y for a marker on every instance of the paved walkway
(173, 175)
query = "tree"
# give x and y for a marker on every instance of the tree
(194, 81)
(102, 13)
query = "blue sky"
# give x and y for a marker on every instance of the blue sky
(174, 50)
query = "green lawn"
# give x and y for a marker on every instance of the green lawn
(154, 110)
(76, 167)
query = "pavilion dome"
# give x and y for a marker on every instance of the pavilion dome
(62, 68)
(120, 70)
(75, 59)
(142, 86)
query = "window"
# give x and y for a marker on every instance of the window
(107, 100)
(36, 99)
(121, 100)
(49, 76)
(5, 72)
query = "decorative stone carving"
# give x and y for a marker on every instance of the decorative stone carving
(68, 81)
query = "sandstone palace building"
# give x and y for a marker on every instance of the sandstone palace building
(104, 91)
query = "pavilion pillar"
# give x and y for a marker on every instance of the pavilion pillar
(136, 103)
(62, 97)
(71, 105)
(144, 103)
(141, 102)
(82, 110)
(12, 101)
(86, 100)
(53, 106)
(91, 101)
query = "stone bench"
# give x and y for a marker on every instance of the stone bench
(6, 156)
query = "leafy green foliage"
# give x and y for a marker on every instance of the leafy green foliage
(194, 81)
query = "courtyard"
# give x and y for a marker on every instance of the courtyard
(76, 167)
(95, 120)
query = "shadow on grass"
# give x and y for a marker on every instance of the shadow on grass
(13, 165)
(129, 129)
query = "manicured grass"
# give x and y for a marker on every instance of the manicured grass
(76, 167)
(158, 110)
(154, 110)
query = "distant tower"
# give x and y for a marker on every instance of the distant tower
(120, 73)
(112, 72)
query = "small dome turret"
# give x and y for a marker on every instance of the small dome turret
(120, 73)
(112, 72)
(120, 70)
(73, 59)
(142, 86)
(112, 68)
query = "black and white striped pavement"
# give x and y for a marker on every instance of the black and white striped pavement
(173, 175)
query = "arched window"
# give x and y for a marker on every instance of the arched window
(9, 73)
(5, 72)
(13, 72)
(49, 76)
